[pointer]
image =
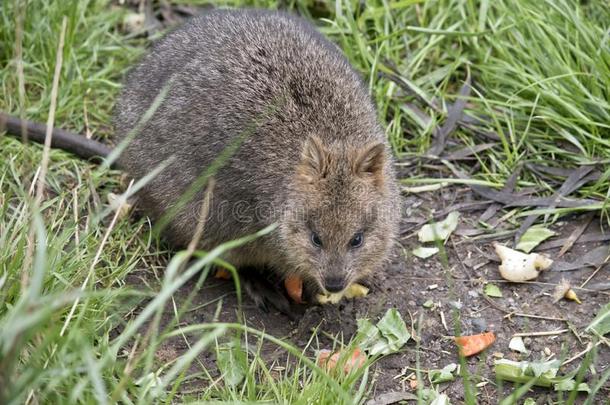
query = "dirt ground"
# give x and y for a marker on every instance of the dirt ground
(409, 282)
(456, 289)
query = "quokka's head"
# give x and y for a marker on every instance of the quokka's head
(342, 212)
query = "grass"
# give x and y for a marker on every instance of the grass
(541, 91)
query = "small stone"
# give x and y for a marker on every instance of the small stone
(479, 325)
(473, 293)
(456, 304)
(432, 286)
(547, 351)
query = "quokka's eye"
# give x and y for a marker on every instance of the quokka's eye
(315, 240)
(357, 240)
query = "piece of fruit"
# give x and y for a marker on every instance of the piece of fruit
(473, 344)
(353, 291)
(356, 291)
(518, 267)
(564, 290)
(328, 359)
(294, 288)
(222, 274)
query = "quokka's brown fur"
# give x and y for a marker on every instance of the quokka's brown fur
(311, 158)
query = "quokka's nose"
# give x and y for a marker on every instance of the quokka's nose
(334, 284)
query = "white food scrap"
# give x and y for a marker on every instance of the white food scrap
(518, 267)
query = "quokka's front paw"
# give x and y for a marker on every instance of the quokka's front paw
(265, 293)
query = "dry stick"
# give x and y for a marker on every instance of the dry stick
(545, 333)
(91, 271)
(129, 367)
(469, 280)
(46, 151)
(192, 246)
(203, 215)
(576, 234)
(51, 119)
(524, 315)
(98, 254)
(75, 209)
(510, 313)
(20, 74)
(577, 355)
(595, 272)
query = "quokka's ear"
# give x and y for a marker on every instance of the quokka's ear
(314, 160)
(369, 161)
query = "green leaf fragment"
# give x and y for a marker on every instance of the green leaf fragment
(492, 290)
(441, 399)
(544, 373)
(425, 252)
(394, 329)
(444, 375)
(570, 385)
(439, 230)
(372, 341)
(388, 336)
(232, 362)
(533, 237)
(428, 304)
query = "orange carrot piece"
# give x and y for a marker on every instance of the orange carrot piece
(471, 345)
(329, 360)
(294, 288)
(222, 274)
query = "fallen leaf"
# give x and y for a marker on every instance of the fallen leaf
(425, 252)
(428, 304)
(232, 362)
(444, 375)
(388, 336)
(439, 230)
(524, 371)
(442, 399)
(471, 345)
(492, 290)
(533, 237)
(544, 373)
(516, 344)
(595, 258)
(330, 360)
(294, 288)
(394, 329)
(517, 266)
(570, 385)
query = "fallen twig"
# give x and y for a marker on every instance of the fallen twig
(544, 333)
